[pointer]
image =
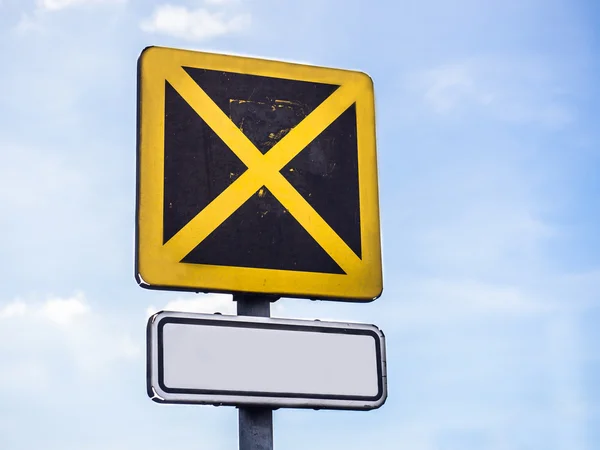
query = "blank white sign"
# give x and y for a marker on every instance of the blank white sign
(215, 359)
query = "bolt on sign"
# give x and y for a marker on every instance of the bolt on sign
(256, 176)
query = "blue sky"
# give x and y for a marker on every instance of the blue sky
(488, 151)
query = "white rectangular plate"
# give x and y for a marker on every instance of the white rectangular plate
(256, 361)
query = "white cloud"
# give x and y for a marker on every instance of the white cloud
(203, 303)
(65, 311)
(56, 310)
(24, 375)
(510, 90)
(16, 308)
(29, 23)
(484, 235)
(36, 335)
(57, 5)
(197, 25)
(207, 304)
(446, 86)
(42, 189)
(437, 301)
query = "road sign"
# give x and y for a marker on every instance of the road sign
(256, 176)
(258, 361)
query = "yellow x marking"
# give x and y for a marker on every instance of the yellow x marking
(262, 170)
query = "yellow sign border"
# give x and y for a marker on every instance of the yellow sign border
(158, 266)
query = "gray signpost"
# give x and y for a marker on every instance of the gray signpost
(255, 424)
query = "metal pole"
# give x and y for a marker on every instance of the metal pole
(255, 423)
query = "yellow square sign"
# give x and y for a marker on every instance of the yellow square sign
(256, 176)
